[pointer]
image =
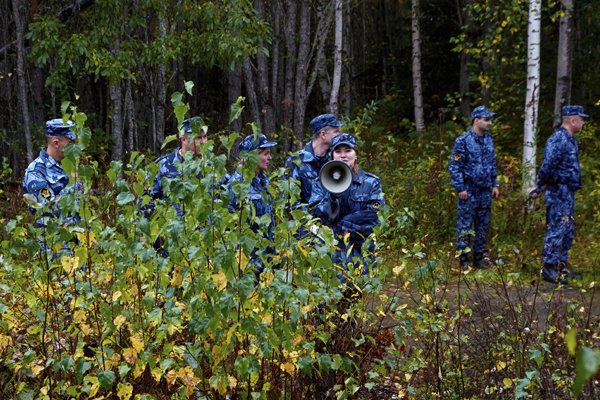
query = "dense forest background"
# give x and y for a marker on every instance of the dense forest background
(119, 61)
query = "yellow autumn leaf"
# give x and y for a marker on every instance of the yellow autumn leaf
(130, 355)
(85, 329)
(119, 321)
(306, 309)
(187, 376)
(36, 369)
(232, 382)
(157, 373)
(176, 278)
(220, 280)
(83, 237)
(116, 295)
(266, 278)
(124, 391)
(171, 377)
(69, 264)
(288, 367)
(500, 365)
(137, 342)
(507, 382)
(5, 341)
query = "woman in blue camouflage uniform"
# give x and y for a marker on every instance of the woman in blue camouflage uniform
(352, 214)
(259, 195)
(559, 177)
(473, 175)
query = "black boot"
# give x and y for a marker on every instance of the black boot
(550, 273)
(479, 261)
(566, 269)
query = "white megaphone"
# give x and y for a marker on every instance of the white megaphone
(336, 177)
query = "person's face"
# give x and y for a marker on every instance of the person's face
(329, 132)
(195, 145)
(345, 154)
(59, 143)
(264, 159)
(483, 124)
(577, 123)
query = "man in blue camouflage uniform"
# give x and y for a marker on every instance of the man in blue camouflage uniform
(44, 179)
(193, 137)
(304, 167)
(473, 175)
(259, 195)
(352, 214)
(559, 177)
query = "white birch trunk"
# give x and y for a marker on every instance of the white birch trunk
(416, 68)
(532, 97)
(337, 59)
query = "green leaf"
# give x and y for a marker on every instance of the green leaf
(189, 85)
(587, 365)
(236, 109)
(168, 140)
(571, 340)
(124, 198)
(106, 379)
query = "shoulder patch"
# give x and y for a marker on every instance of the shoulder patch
(375, 205)
(45, 194)
(456, 157)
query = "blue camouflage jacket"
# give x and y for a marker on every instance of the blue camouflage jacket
(306, 171)
(262, 205)
(354, 211)
(473, 162)
(45, 180)
(561, 161)
(167, 170)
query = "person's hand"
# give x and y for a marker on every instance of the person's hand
(463, 195)
(533, 193)
(495, 192)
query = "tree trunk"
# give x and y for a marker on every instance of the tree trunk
(116, 98)
(234, 90)
(130, 116)
(300, 87)
(22, 83)
(463, 83)
(337, 59)
(564, 62)
(290, 63)
(416, 67)
(532, 96)
(161, 86)
(251, 98)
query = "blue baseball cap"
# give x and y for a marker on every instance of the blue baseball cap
(482, 112)
(252, 143)
(346, 139)
(57, 127)
(189, 124)
(567, 111)
(324, 120)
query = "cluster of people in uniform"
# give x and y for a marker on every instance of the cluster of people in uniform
(353, 214)
(473, 175)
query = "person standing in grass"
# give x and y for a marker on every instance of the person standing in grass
(473, 175)
(560, 177)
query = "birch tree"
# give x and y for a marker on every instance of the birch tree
(337, 59)
(564, 64)
(416, 67)
(533, 91)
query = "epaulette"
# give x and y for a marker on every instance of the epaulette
(371, 175)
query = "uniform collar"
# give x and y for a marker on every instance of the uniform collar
(308, 155)
(48, 161)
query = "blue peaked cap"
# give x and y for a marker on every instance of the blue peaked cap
(346, 139)
(57, 127)
(482, 112)
(567, 111)
(251, 143)
(323, 120)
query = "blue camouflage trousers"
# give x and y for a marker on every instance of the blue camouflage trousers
(473, 220)
(560, 204)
